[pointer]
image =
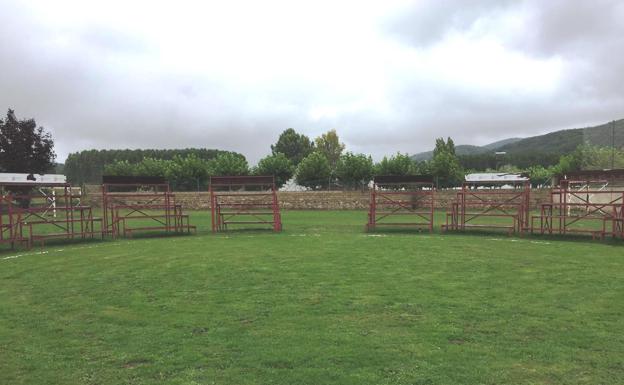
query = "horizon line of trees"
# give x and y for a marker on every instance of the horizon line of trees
(88, 166)
(322, 163)
(315, 164)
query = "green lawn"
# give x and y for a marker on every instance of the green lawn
(322, 302)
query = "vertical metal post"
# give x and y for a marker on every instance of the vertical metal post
(565, 207)
(104, 211)
(167, 209)
(277, 220)
(212, 208)
(71, 211)
(463, 207)
(432, 213)
(372, 214)
(527, 208)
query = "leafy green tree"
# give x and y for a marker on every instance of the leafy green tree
(450, 145)
(445, 166)
(540, 176)
(423, 168)
(120, 168)
(506, 168)
(24, 147)
(147, 167)
(295, 146)
(442, 146)
(567, 163)
(398, 164)
(354, 170)
(188, 173)
(227, 164)
(277, 165)
(313, 171)
(446, 170)
(152, 167)
(591, 157)
(87, 166)
(329, 145)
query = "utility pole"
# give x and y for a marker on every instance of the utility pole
(612, 145)
(499, 156)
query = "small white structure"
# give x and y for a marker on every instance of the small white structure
(495, 177)
(11, 178)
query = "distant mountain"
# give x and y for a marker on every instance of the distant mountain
(566, 141)
(468, 149)
(554, 143)
(500, 143)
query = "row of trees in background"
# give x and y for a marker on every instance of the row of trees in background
(315, 164)
(327, 165)
(322, 163)
(88, 166)
(447, 169)
(184, 173)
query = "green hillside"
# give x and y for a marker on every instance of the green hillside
(500, 143)
(549, 145)
(560, 142)
(462, 149)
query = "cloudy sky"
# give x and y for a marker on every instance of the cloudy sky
(388, 75)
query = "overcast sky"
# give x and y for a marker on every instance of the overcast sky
(388, 75)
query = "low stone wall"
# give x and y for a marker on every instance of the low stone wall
(318, 200)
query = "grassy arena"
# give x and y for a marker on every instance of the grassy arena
(320, 303)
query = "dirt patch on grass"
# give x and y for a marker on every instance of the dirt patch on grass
(136, 363)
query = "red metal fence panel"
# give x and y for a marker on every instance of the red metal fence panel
(141, 207)
(244, 201)
(491, 205)
(401, 201)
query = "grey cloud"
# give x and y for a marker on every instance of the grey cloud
(587, 35)
(572, 27)
(423, 23)
(472, 118)
(89, 102)
(109, 39)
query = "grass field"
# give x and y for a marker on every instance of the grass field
(320, 303)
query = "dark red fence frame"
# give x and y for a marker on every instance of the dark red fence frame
(557, 217)
(244, 200)
(22, 225)
(487, 199)
(392, 196)
(149, 201)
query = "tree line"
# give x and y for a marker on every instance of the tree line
(322, 163)
(88, 166)
(315, 164)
